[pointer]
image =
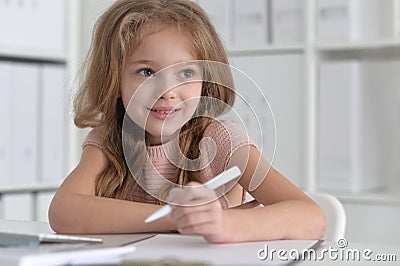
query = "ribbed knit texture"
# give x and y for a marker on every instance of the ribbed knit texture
(220, 140)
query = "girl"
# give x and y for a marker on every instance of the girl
(124, 168)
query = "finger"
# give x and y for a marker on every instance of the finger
(248, 205)
(181, 212)
(193, 194)
(196, 219)
(204, 229)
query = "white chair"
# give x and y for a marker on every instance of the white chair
(335, 215)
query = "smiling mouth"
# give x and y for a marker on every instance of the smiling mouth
(164, 112)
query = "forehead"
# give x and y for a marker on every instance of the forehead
(163, 44)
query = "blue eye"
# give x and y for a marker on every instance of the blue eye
(187, 73)
(146, 72)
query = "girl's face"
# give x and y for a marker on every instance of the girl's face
(160, 87)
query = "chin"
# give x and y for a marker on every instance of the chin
(166, 135)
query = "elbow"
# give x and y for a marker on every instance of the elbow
(315, 225)
(61, 219)
(320, 223)
(57, 219)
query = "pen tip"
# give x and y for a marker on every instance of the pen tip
(148, 220)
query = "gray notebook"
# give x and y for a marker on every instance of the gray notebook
(34, 239)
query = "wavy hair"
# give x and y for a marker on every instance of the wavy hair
(98, 100)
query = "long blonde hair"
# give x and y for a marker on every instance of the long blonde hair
(98, 101)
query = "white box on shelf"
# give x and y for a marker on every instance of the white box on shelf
(348, 147)
(286, 101)
(251, 24)
(53, 123)
(347, 20)
(24, 119)
(381, 107)
(43, 203)
(5, 114)
(396, 20)
(17, 207)
(287, 21)
(220, 14)
(25, 25)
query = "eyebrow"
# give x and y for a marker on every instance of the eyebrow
(141, 61)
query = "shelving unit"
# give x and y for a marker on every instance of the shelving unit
(28, 199)
(300, 162)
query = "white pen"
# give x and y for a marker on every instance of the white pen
(213, 183)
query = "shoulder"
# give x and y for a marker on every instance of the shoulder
(230, 135)
(220, 141)
(95, 138)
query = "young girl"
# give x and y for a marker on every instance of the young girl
(123, 177)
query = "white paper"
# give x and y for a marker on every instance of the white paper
(196, 249)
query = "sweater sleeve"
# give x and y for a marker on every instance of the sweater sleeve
(94, 138)
(227, 138)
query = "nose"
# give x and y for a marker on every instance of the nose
(169, 94)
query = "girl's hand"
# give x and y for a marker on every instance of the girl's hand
(196, 210)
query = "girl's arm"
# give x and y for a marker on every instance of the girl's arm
(76, 209)
(287, 212)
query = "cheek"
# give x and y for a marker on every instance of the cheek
(192, 96)
(128, 89)
(193, 90)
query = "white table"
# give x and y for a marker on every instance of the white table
(151, 247)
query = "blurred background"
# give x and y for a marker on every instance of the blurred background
(330, 70)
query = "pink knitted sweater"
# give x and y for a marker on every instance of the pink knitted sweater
(159, 171)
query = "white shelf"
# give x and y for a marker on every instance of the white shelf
(35, 55)
(378, 198)
(269, 50)
(13, 188)
(358, 46)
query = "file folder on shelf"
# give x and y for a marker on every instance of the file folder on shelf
(287, 21)
(251, 24)
(220, 15)
(5, 113)
(347, 20)
(32, 21)
(349, 146)
(24, 119)
(53, 135)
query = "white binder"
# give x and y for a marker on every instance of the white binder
(287, 21)
(5, 113)
(53, 123)
(220, 15)
(31, 22)
(18, 207)
(251, 24)
(346, 20)
(349, 159)
(24, 121)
